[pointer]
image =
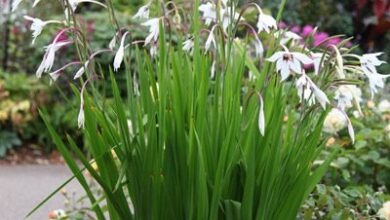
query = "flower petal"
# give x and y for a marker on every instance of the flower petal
(261, 121)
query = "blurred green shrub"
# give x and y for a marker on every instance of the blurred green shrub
(358, 181)
(20, 96)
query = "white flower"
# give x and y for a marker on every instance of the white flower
(212, 71)
(48, 59)
(209, 12)
(376, 81)
(154, 30)
(384, 106)
(112, 43)
(258, 47)
(351, 132)
(81, 71)
(261, 121)
(15, 4)
(131, 129)
(73, 4)
(345, 94)
(308, 91)
(36, 2)
(153, 50)
(188, 46)
(120, 53)
(384, 212)
(317, 58)
(228, 16)
(81, 117)
(54, 75)
(142, 13)
(370, 61)
(304, 91)
(210, 40)
(36, 26)
(335, 121)
(289, 61)
(265, 23)
(286, 36)
(339, 62)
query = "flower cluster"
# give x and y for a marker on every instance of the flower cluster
(319, 38)
(294, 62)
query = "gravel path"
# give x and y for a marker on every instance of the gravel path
(23, 187)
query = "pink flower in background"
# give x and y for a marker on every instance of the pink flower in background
(296, 29)
(334, 41)
(90, 26)
(307, 29)
(319, 38)
(282, 25)
(62, 37)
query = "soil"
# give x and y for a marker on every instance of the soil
(31, 154)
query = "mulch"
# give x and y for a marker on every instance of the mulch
(31, 154)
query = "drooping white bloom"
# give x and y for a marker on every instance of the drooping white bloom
(317, 58)
(188, 46)
(319, 94)
(54, 75)
(153, 50)
(286, 36)
(345, 94)
(142, 13)
(307, 90)
(131, 129)
(304, 91)
(209, 12)
(351, 132)
(228, 16)
(154, 30)
(36, 26)
(210, 40)
(112, 43)
(212, 75)
(339, 62)
(36, 2)
(370, 61)
(265, 23)
(48, 58)
(334, 121)
(291, 35)
(81, 117)
(261, 121)
(259, 49)
(15, 4)
(376, 81)
(384, 212)
(81, 71)
(337, 120)
(289, 61)
(120, 53)
(73, 4)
